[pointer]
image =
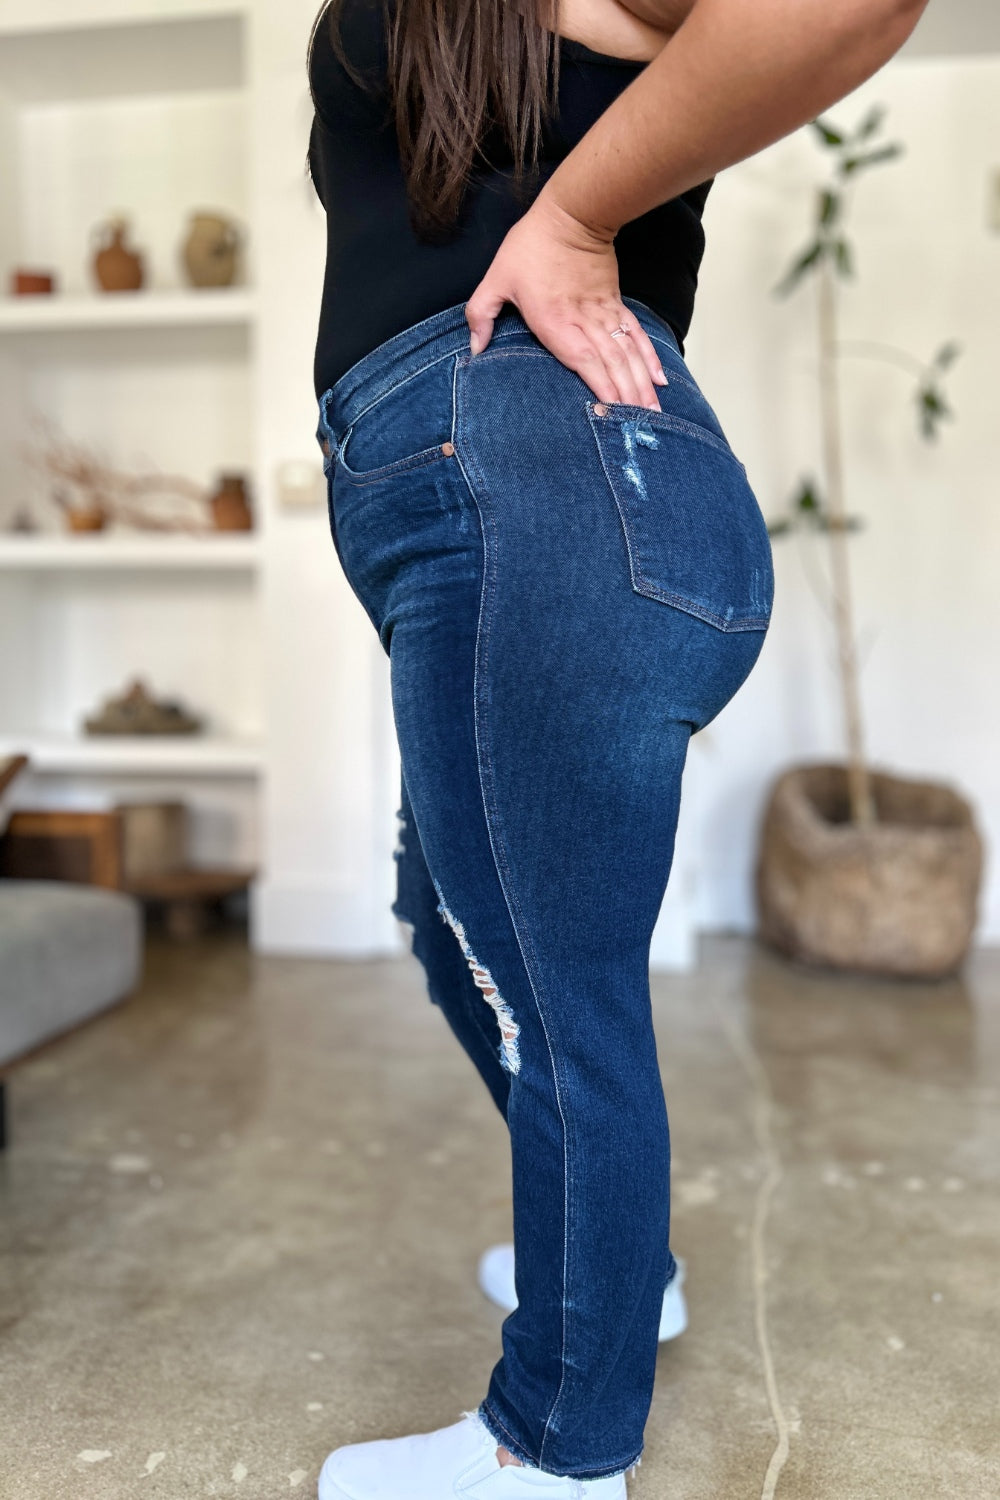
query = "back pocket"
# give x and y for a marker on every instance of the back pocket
(695, 534)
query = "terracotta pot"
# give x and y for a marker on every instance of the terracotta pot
(230, 507)
(899, 898)
(116, 267)
(210, 250)
(86, 518)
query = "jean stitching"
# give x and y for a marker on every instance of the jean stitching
(458, 336)
(398, 385)
(389, 390)
(690, 606)
(668, 421)
(519, 1451)
(325, 399)
(491, 812)
(664, 418)
(358, 478)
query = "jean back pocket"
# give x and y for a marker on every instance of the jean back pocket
(694, 532)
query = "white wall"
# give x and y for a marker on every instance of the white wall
(956, 27)
(328, 795)
(927, 567)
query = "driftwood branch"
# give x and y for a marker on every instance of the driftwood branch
(84, 472)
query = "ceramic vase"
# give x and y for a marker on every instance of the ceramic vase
(230, 506)
(117, 268)
(209, 252)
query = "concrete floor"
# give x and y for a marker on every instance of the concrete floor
(240, 1216)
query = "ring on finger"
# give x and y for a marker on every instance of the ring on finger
(622, 331)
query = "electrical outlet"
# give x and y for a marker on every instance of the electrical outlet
(301, 485)
(993, 206)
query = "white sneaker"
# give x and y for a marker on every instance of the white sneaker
(496, 1279)
(459, 1460)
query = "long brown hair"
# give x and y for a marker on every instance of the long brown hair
(459, 69)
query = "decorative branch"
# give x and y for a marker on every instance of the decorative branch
(830, 257)
(114, 493)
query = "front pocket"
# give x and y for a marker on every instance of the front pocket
(398, 466)
(694, 532)
(405, 427)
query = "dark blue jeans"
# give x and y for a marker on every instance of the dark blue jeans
(567, 592)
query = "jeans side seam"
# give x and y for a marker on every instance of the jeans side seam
(491, 813)
(512, 1444)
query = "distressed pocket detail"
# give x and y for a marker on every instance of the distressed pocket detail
(694, 532)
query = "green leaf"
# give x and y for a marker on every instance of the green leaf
(852, 164)
(932, 410)
(947, 355)
(805, 262)
(870, 124)
(829, 207)
(807, 501)
(781, 527)
(843, 258)
(828, 134)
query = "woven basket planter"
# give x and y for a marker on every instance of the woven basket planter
(899, 898)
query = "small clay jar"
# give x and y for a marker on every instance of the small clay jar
(32, 283)
(230, 507)
(86, 518)
(210, 250)
(116, 267)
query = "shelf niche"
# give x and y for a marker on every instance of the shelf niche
(140, 108)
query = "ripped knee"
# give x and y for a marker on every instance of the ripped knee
(510, 1055)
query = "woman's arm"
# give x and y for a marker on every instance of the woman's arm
(737, 76)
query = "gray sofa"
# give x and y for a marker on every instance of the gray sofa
(67, 951)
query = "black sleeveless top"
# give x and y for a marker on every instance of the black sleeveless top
(380, 278)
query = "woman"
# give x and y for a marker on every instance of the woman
(544, 520)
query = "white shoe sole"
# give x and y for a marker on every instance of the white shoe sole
(457, 1460)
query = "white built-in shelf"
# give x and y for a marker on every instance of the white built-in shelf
(127, 310)
(57, 51)
(29, 15)
(97, 551)
(150, 755)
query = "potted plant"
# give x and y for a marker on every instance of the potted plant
(859, 868)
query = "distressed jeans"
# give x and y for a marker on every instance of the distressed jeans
(567, 590)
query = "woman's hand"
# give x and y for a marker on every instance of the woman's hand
(563, 279)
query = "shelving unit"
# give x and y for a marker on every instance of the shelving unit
(145, 309)
(99, 552)
(176, 755)
(141, 108)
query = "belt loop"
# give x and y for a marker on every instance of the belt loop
(324, 412)
(329, 442)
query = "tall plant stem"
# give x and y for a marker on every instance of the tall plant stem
(862, 803)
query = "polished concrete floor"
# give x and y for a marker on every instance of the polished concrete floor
(241, 1215)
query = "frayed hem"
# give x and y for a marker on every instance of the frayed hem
(505, 1439)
